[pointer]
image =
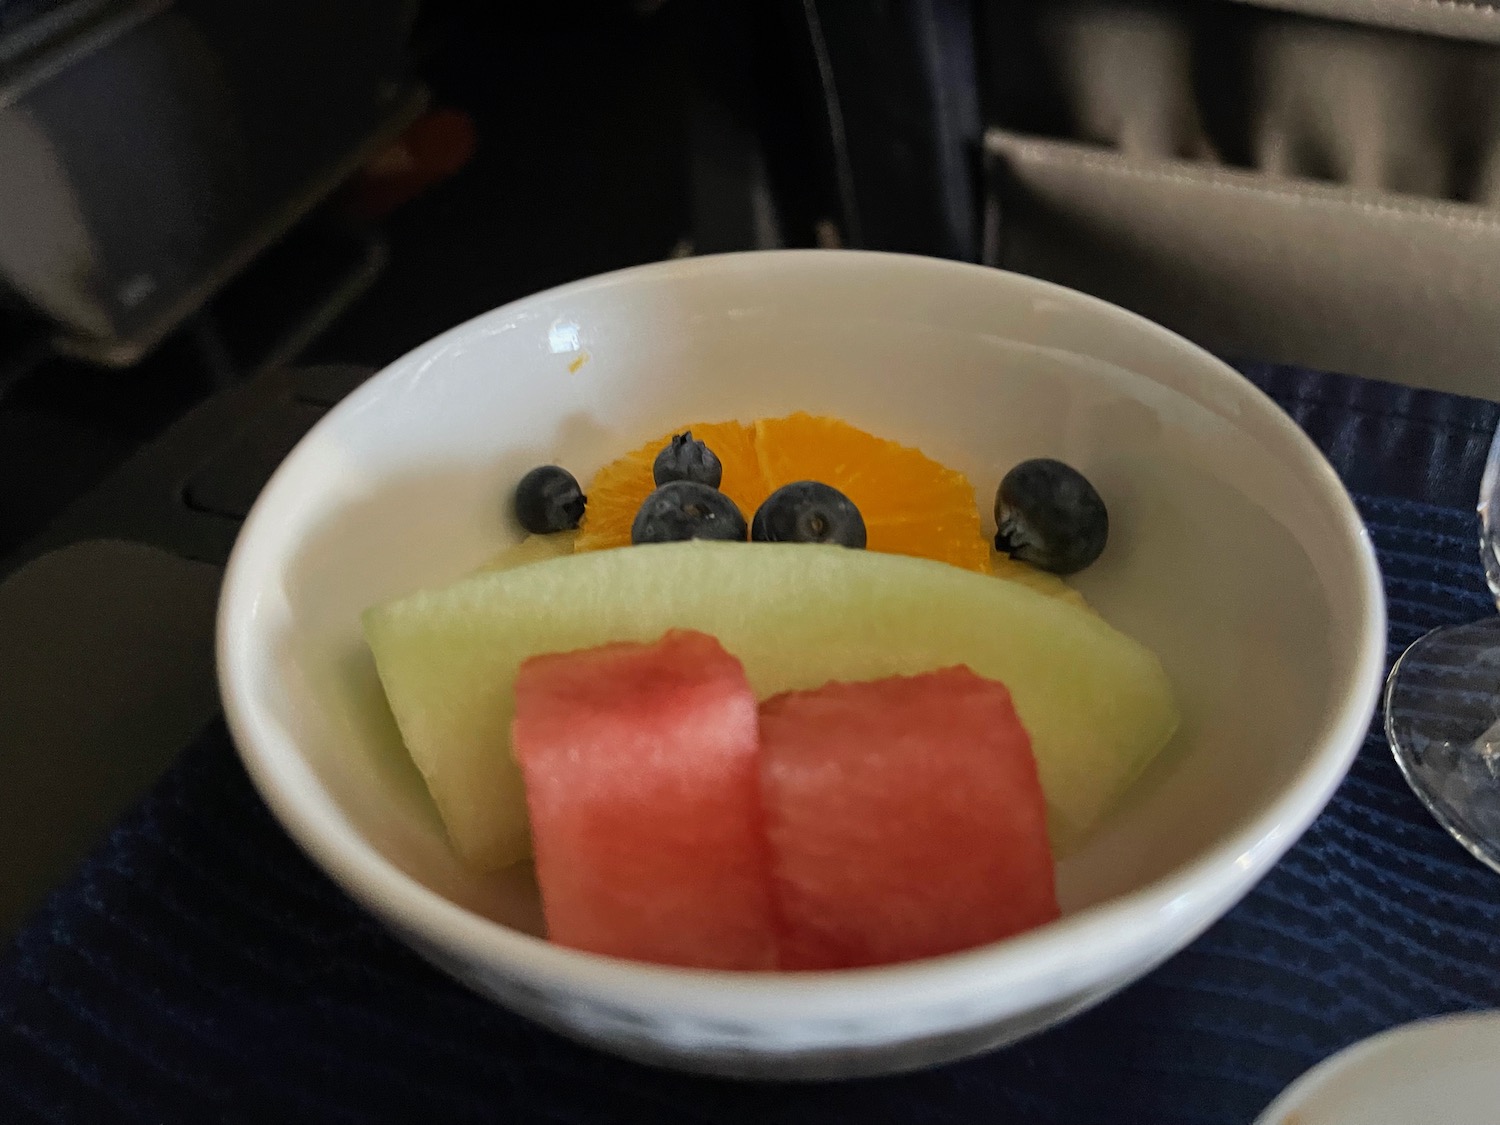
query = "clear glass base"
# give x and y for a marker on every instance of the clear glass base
(1442, 717)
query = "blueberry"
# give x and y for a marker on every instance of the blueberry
(548, 499)
(808, 511)
(685, 458)
(1050, 516)
(685, 509)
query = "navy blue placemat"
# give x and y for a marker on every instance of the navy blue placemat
(199, 969)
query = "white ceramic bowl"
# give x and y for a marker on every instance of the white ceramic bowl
(1235, 554)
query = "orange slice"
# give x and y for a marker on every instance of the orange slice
(617, 490)
(911, 504)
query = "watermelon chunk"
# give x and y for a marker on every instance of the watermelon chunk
(905, 818)
(642, 773)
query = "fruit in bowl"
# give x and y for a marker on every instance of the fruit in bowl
(797, 612)
(1233, 556)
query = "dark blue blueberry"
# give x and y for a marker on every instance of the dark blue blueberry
(548, 499)
(808, 511)
(685, 509)
(1050, 516)
(686, 458)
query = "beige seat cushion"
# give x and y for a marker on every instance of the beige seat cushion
(1272, 186)
(1460, 19)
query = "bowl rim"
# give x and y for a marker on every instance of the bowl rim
(1038, 965)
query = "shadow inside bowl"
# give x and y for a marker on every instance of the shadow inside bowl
(1248, 660)
(416, 532)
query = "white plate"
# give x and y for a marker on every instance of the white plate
(1439, 1070)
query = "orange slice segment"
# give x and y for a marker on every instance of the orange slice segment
(617, 490)
(911, 504)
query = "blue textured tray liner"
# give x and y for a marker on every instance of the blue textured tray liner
(199, 969)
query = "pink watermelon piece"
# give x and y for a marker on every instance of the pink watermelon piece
(905, 818)
(642, 772)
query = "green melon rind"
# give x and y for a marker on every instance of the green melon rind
(1097, 704)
